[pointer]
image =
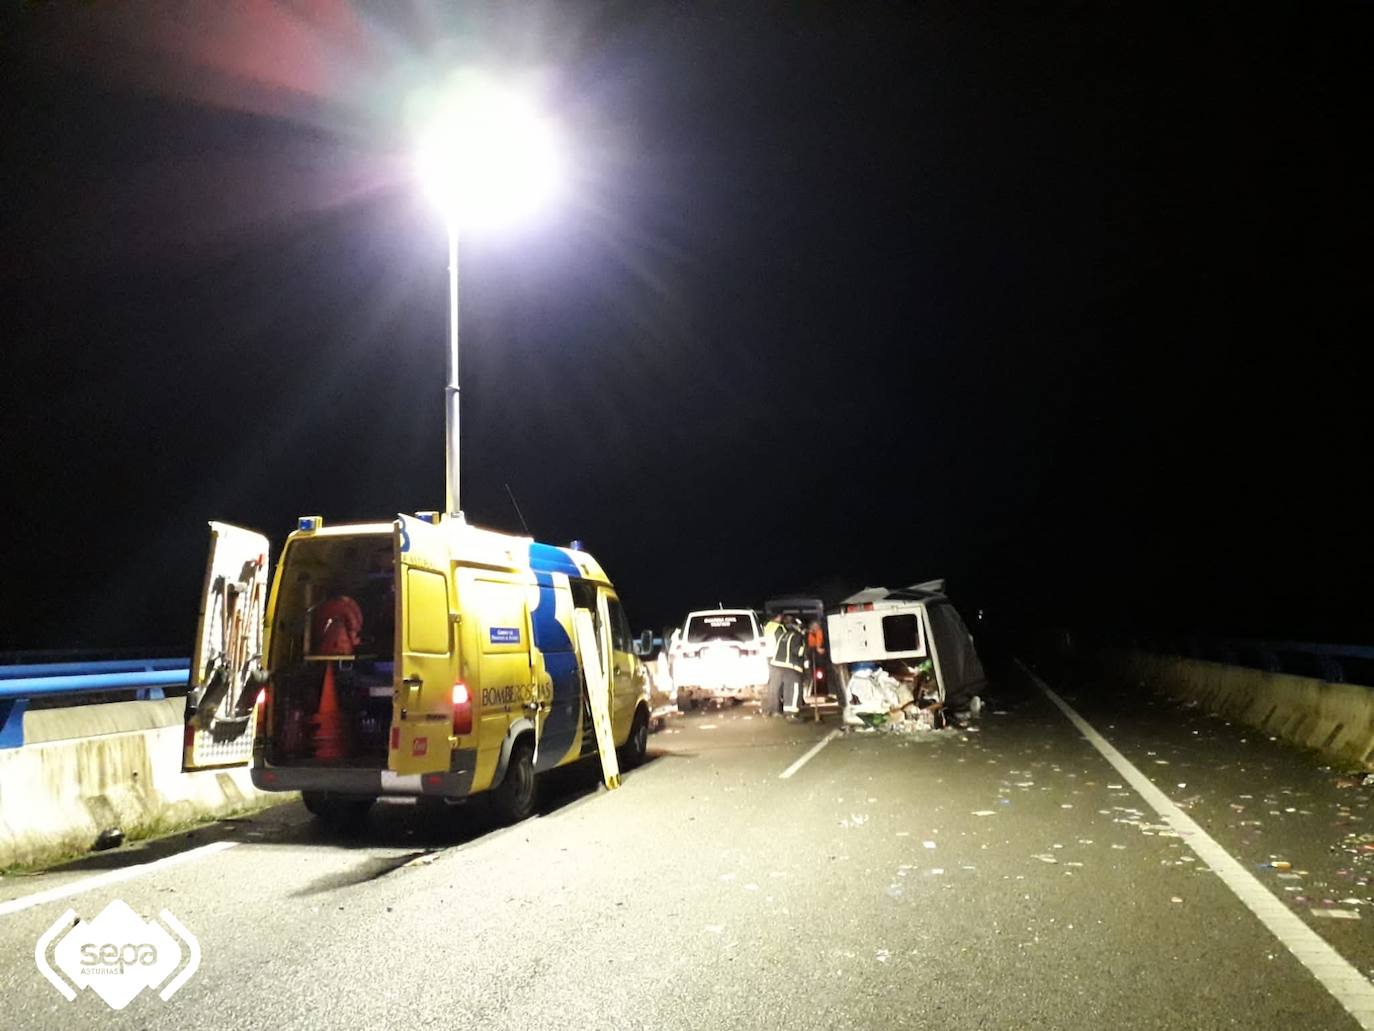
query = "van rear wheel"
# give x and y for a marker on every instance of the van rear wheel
(513, 798)
(348, 813)
(631, 754)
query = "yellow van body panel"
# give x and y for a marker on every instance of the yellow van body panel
(493, 612)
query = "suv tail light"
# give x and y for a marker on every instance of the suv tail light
(462, 709)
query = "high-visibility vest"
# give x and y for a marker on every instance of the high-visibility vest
(788, 649)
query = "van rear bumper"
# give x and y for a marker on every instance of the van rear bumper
(457, 783)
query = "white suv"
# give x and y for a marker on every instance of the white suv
(719, 654)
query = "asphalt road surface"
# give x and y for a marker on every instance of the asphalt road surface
(1005, 876)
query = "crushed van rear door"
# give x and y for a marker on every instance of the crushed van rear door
(227, 663)
(422, 713)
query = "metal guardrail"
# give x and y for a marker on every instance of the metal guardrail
(1334, 663)
(25, 682)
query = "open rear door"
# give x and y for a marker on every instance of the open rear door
(422, 714)
(227, 661)
(598, 680)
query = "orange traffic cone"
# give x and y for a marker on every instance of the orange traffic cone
(328, 721)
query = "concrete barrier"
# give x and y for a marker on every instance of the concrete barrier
(89, 769)
(1335, 719)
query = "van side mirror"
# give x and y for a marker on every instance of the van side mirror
(645, 644)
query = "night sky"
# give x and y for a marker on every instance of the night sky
(1064, 304)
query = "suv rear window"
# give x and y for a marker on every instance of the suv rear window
(720, 626)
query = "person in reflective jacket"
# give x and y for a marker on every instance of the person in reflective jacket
(771, 703)
(787, 662)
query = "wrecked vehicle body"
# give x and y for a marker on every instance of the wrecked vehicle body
(903, 656)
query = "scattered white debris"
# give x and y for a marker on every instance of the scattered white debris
(928, 844)
(984, 812)
(1337, 914)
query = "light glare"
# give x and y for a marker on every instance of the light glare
(488, 157)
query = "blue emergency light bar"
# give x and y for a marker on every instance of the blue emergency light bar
(309, 523)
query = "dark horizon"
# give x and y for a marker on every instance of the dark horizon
(1061, 307)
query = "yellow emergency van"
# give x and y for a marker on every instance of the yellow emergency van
(423, 657)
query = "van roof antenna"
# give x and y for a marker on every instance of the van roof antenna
(516, 504)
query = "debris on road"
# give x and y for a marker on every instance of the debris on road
(110, 837)
(1336, 914)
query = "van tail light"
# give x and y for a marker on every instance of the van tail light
(395, 738)
(462, 709)
(260, 702)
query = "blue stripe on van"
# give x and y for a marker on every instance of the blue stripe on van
(560, 725)
(545, 558)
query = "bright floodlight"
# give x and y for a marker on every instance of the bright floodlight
(488, 156)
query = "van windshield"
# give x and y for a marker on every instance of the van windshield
(720, 626)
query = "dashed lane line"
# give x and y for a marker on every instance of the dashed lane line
(811, 754)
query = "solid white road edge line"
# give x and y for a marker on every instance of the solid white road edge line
(1349, 987)
(811, 754)
(66, 891)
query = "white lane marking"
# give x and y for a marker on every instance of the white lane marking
(1349, 987)
(66, 891)
(811, 754)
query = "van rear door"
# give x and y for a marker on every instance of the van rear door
(228, 651)
(422, 713)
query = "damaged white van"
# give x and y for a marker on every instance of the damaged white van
(911, 638)
(422, 657)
